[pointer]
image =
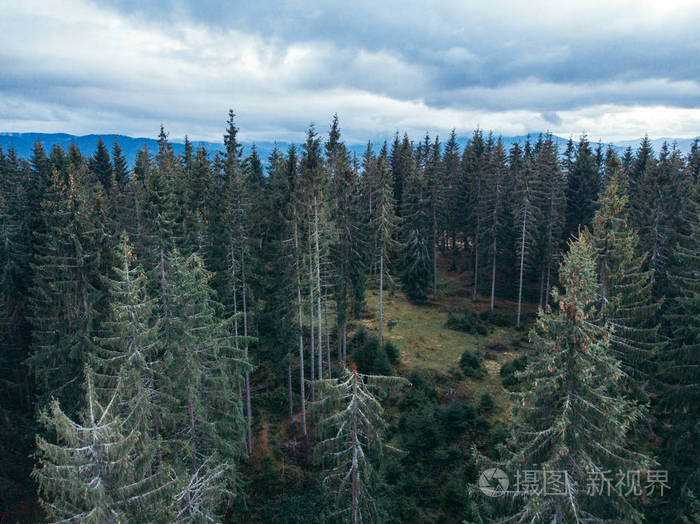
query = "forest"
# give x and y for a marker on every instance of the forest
(321, 337)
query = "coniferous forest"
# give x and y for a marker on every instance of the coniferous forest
(322, 337)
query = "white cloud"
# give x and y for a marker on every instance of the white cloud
(75, 67)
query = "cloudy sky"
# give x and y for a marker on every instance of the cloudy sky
(613, 69)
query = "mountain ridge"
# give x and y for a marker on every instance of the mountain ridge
(23, 143)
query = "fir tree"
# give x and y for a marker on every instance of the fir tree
(583, 184)
(625, 287)
(571, 416)
(416, 238)
(354, 422)
(528, 197)
(200, 414)
(87, 475)
(680, 366)
(101, 167)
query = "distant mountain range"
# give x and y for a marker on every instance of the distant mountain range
(23, 144)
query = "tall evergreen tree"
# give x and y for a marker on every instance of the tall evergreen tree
(625, 287)
(200, 414)
(680, 367)
(583, 184)
(528, 200)
(383, 226)
(354, 422)
(571, 416)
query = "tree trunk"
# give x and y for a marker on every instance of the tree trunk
(522, 265)
(318, 289)
(381, 297)
(476, 267)
(435, 240)
(289, 390)
(355, 447)
(328, 338)
(249, 412)
(311, 321)
(301, 335)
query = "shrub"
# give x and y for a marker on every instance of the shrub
(486, 402)
(392, 352)
(467, 321)
(472, 364)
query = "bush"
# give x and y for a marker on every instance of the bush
(369, 357)
(509, 369)
(468, 321)
(498, 319)
(486, 402)
(392, 352)
(472, 364)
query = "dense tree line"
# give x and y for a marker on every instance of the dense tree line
(143, 310)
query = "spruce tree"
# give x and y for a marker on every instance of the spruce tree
(625, 287)
(571, 416)
(528, 199)
(383, 225)
(417, 237)
(583, 184)
(200, 414)
(87, 474)
(63, 294)
(355, 426)
(494, 211)
(553, 214)
(101, 167)
(680, 367)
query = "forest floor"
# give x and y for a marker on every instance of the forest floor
(419, 332)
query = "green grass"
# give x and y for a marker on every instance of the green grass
(419, 331)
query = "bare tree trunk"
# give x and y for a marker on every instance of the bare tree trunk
(289, 390)
(328, 338)
(318, 290)
(548, 287)
(435, 241)
(522, 265)
(542, 288)
(493, 276)
(355, 447)
(311, 320)
(476, 266)
(301, 335)
(249, 412)
(381, 298)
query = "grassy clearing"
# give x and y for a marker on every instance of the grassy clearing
(425, 343)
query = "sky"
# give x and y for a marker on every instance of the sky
(615, 70)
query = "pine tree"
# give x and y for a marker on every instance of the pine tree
(583, 184)
(383, 225)
(417, 237)
(625, 287)
(101, 167)
(571, 416)
(493, 209)
(678, 405)
(87, 475)
(553, 214)
(355, 426)
(200, 414)
(528, 198)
